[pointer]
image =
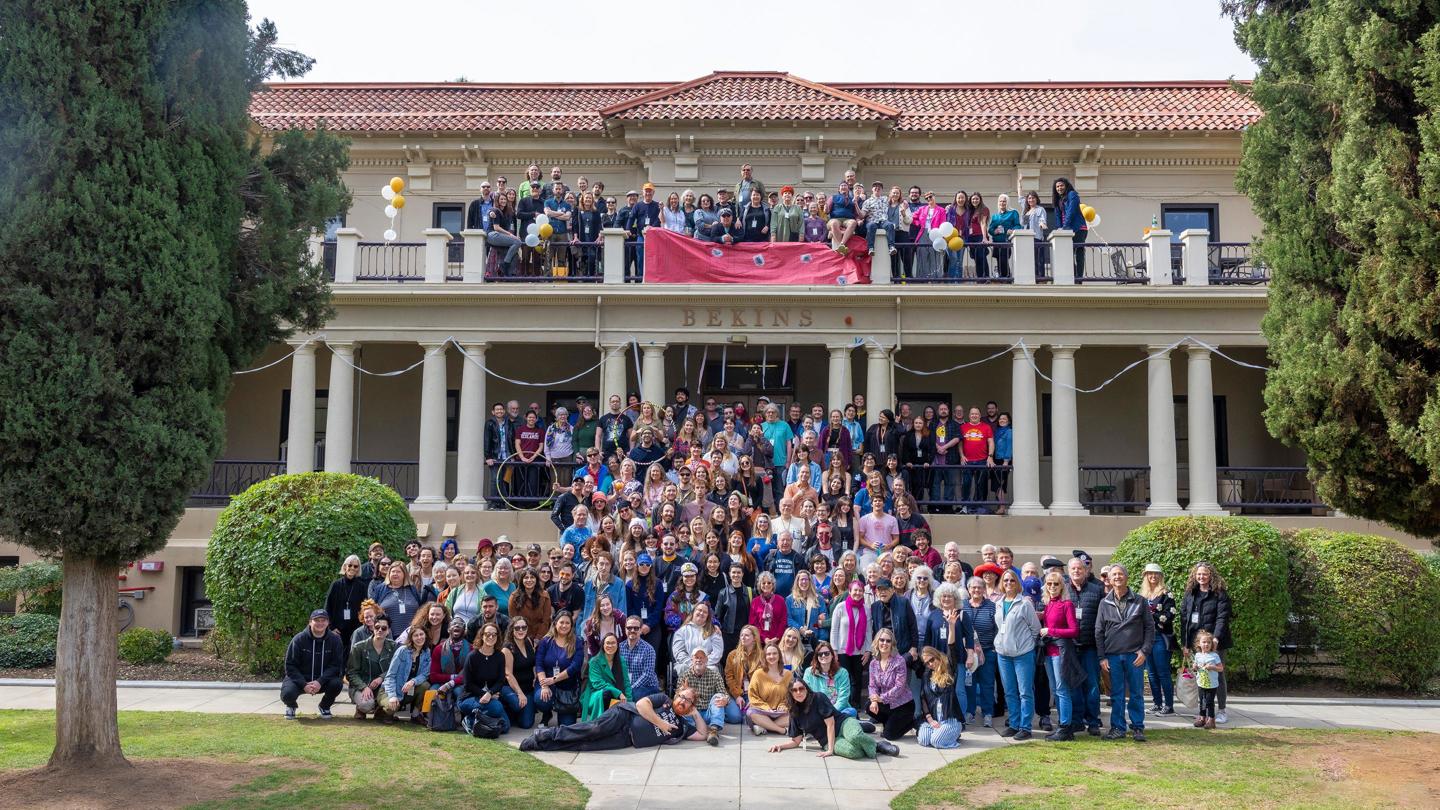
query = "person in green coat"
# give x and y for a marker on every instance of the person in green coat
(787, 220)
(605, 680)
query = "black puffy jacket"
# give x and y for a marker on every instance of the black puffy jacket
(1205, 610)
(1087, 604)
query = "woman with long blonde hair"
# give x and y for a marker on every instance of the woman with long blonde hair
(941, 725)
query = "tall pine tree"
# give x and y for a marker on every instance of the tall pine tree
(149, 247)
(1344, 172)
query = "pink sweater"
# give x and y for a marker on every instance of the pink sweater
(1059, 617)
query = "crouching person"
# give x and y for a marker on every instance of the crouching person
(646, 723)
(406, 679)
(369, 663)
(313, 666)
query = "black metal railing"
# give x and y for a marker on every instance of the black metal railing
(1115, 262)
(230, 477)
(1114, 489)
(390, 261)
(1262, 490)
(552, 262)
(1233, 263)
(401, 476)
(527, 485)
(969, 488)
(634, 268)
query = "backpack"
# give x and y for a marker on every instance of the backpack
(442, 712)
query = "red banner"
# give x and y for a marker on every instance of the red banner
(674, 258)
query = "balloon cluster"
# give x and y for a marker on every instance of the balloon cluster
(538, 231)
(394, 201)
(946, 238)
(1092, 217)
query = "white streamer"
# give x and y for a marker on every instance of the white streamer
(277, 362)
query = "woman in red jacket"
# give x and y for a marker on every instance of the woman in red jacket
(767, 609)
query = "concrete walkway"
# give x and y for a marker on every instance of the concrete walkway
(742, 773)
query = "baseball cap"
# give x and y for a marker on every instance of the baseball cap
(319, 613)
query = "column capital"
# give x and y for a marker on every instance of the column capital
(431, 346)
(1162, 350)
(1063, 349)
(1197, 352)
(477, 346)
(614, 347)
(840, 347)
(341, 346)
(878, 352)
(1021, 352)
(306, 346)
(653, 348)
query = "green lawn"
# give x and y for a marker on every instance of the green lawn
(323, 764)
(1189, 768)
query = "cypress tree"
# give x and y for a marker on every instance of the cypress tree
(1344, 172)
(150, 248)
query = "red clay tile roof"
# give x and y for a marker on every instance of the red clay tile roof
(749, 97)
(1042, 107)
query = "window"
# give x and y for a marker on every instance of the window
(195, 616)
(450, 216)
(1180, 218)
(1182, 431)
(332, 225)
(749, 375)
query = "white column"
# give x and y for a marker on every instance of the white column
(300, 440)
(1064, 434)
(652, 369)
(1195, 257)
(613, 254)
(431, 489)
(340, 408)
(1163, 489)
(437, 242)
(880, 260)
(1157, 257)
(1062, 257)
(347, 254)
(878, 395)
(1022, 257)
(470, 458)
(474, 267)
(1025, 423)
(839, 386)
(612, 376)
(1200, 408)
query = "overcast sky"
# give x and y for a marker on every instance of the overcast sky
(602, 40)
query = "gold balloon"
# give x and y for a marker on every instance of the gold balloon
(546, 230)
(1088, 212)
(397, 184)
(398, 201)
(955, 243)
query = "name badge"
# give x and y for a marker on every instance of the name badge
(1195, 617)
(402, 607)
(346, 614)
(644, 614)
(1079, 612)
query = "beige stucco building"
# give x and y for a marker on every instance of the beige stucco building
(1180, 430)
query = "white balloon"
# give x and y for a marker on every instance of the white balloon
(532, 240)
(939, 245)
(389, 235)
(387, 192)
(541, 220)
(391, 211)
(532, 229)
(947, 229)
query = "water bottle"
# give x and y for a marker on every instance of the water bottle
(1155, 222)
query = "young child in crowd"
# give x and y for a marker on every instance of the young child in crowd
(1207, 664)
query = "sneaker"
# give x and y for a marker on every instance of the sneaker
(326, 715)
(1221, 718)
(1022, 735)
(1199, 721)
(989, 722)
(1138, 734)
(1008, 732)
(1061, 734)
(757, 730)
(1114, 734)
(1153, 710)
(289, 713)
(712, 737)
(1168, 711)
(867, 726)
(468, 724)
(1210, 722)
(1093, 731)
(528, 744)
(1045, 724)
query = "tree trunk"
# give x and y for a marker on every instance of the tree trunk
(87, 733)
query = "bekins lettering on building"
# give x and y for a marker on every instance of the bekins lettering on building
(753, 317)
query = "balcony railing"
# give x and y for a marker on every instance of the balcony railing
(1106, 489)
(1269, 490)
(401, 476)
(1026, 260)
(972, 489)
(229, 477)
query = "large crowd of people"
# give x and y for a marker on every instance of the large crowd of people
(639, 627)
(821, 467)
(912, 218)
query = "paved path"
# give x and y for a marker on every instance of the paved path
(742, 773)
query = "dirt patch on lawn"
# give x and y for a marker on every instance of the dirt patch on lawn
(995, 792)
(158, 784)
(1388, 771)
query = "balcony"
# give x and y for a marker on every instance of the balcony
(444, 258)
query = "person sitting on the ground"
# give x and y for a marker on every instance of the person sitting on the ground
(839, 735)
(710, 695)
(313, 666)
(369, 662)
(646, 723)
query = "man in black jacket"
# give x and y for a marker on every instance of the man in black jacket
(564, 512)
(314, 664)
(499, 437)
(899, 617)
(724, 232)
(565, 593)
(1086, 592)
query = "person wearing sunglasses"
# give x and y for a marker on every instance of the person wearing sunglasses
(812, 713)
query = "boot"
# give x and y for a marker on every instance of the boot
(1200, 721)
(1209, 722)
(887, 748)
(1061, 734)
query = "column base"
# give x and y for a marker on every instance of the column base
(429, 502)
(1067, 509)
(1164, 510)
(1206, 509)
(472, 504)
(1035, 509)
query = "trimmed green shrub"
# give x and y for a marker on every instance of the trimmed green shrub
(1375, 605)
(28, 640)
(279, 545)
(141, 645)
(1248, 554)
(34, 585)
(1432, 560)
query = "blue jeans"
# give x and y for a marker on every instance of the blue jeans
(1018, 675)
(954, 264)
(1125, 676)
(1062, 692)
(1089, 707)
(945, 487)
(733, 714)
(871, 228)
(494, 707)
(715, 715)
(524, 718)
(1157, 666)
(980, 694)
(496, 239)
(947, 736)
(548, 705)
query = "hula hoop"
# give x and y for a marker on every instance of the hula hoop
(500, 491)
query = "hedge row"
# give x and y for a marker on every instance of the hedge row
(1366, 600)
